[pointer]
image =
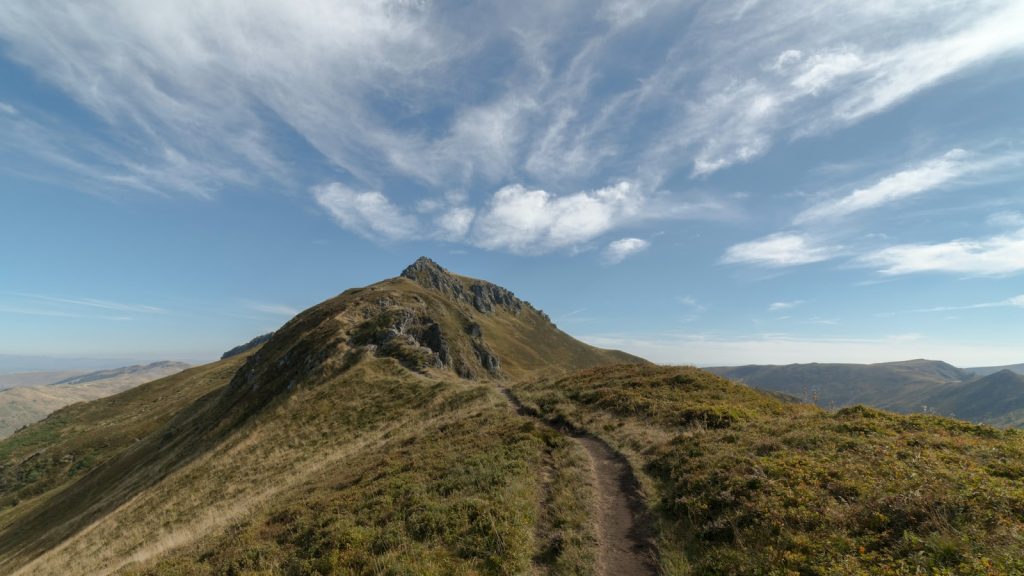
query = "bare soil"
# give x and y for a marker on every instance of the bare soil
(621, 533)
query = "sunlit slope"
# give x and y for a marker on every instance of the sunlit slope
(745, 484)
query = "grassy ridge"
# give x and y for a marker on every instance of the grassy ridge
(76, 439)
(375, 470)
(746, 484)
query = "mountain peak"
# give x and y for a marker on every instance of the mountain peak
(483, 296)
(423, 266)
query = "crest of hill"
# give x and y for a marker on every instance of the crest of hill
(901, 386)
(997, 399)
(427, 320)
(163, 368)
(986, 370)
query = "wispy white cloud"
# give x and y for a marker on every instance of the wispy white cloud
(455, 223)
(368, 213)
(690, 302)
(623, 248)
(29, 311)
(779, 250)
(515, 218)
(805, 69)
(894, 187)
(1014, 302)
(8, 109)
(924, 177)
(197, 93)
(994, 256)
(778, 306)
(522, 220)
(97, 303)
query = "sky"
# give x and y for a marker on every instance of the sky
(706, 183)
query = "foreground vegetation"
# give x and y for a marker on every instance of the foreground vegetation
(378, 470)
(744, 483)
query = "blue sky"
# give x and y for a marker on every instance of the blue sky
(696, 182)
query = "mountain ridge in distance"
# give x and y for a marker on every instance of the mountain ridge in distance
(986, 370)
(23, 405)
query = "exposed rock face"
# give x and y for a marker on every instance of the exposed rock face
(483, 296)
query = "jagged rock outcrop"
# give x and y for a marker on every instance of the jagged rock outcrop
(483, 296)
(428, 319)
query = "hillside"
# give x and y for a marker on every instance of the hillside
(366, 436)
(986, 370)
(741, 483)
(996, 399)
(23, 405)
(434, 424)
(899, 386)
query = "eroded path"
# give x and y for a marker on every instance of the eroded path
(621, 531)
(624, 551)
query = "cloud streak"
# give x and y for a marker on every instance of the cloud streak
(1013, 302)
(96, 303)
(779, 250)
(999, 255)
(924, 177)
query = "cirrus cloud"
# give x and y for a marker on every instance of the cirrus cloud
(367, 213)
(779, 250)
(994, 256)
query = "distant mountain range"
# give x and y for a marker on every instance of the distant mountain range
(993, 395)
(12, 363)
(986, 370)
(22, 405)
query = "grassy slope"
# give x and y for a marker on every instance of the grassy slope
(316, 457)
(746, 484)
(26, 404)
(996, 399)
(75, 439)
(377, 470)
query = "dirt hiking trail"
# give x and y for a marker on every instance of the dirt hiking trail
(619, 510)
